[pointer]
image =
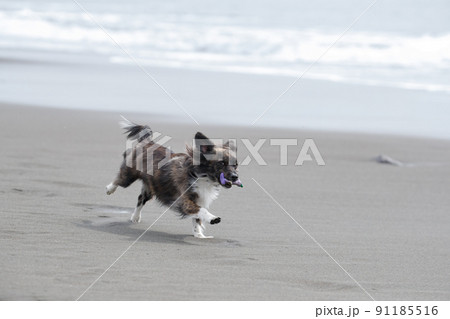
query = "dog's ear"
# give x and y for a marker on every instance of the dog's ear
(203, 143)
(231, 145)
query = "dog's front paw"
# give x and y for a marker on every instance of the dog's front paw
(215, 221)
(201, 236)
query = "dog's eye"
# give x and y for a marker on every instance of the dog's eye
(221, 164)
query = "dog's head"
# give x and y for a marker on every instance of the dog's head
(213, 160)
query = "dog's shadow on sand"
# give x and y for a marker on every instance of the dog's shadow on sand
(112, 219)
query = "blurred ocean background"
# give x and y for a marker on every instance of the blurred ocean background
(402, 44)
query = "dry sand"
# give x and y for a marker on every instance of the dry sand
(387, 226)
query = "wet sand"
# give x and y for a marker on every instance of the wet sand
(387, 226)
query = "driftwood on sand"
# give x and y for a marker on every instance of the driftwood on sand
(384, 159)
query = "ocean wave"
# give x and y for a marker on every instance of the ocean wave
(412, 62)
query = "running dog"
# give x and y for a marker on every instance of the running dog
(185, 182)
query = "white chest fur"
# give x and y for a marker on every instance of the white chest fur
(207, 192)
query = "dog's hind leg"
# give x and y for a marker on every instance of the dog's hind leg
(111, 188)
(142, 199)
(125, 178)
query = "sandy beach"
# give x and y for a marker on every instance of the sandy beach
(366, 81)
(386, 225)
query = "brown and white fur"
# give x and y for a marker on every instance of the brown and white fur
(187, 183)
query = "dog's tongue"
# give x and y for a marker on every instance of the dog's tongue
(223, 181)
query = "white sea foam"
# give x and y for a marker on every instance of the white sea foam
(372, 58)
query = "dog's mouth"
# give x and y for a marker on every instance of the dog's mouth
(227, 183)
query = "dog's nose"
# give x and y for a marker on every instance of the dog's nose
(234, 177)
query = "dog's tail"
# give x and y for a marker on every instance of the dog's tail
(135, 131)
